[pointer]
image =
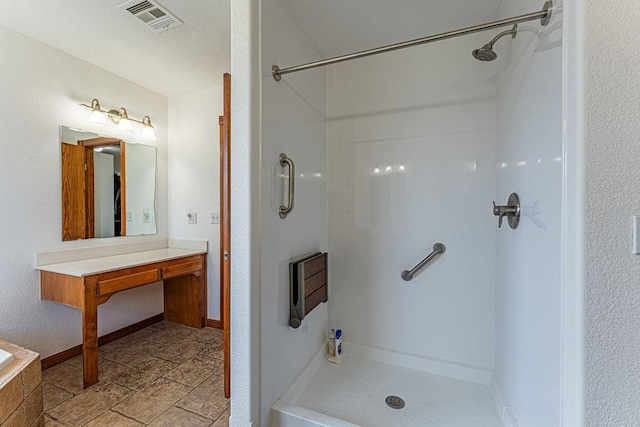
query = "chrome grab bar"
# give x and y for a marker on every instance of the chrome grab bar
(284, 162)
(438, 249)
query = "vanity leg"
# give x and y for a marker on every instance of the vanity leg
(90, 334)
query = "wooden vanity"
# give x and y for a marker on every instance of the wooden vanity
(87, 283)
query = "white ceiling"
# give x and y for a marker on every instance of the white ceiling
(189, 57)
(339, 27)
(195, 55)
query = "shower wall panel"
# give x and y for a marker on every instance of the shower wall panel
(411, 155)
(528, 260)
(293, 122)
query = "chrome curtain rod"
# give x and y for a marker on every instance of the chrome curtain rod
(544, 15)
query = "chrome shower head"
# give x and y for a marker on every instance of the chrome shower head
(486, 53)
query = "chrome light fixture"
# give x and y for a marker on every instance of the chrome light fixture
(120, 118)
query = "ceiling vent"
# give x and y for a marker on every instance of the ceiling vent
(152, 15)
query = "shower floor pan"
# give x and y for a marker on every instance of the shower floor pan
(353, 393)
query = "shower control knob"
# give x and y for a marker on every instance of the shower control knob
(511, 211)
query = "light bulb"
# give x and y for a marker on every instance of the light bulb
(148, 132)
(97, 116)
(125, 125)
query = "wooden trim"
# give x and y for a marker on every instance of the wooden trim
(89, 194)
(123, 189)
(99, 142)
(65, 355)
(214, 323)
(225, 230)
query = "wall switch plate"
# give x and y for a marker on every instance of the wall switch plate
(635, 250)
(129, 217)
(215, 218)
(192, 217)
(145, 215)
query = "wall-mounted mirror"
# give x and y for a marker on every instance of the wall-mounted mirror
(108, 186)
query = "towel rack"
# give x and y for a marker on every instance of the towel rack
(438, 249)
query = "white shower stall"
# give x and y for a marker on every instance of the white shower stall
(394, 153)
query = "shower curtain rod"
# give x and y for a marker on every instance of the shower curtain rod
(544, 15)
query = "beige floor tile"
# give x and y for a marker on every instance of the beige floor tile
(88, 405)
(214, 348)
(179, 352)
(207, 399)
(223, 420)
(50, 422)
(112, 419)
(106, 367)
(130, 355)
(153, 401)
(169, 337)
(179, 417)
(207, 334)
(142, 375)
(195, 370)
(65, 376)
(53, 395)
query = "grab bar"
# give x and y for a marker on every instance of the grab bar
(438, 249)
(284, 162)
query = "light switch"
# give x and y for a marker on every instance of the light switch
(145, 215)
(129, 217)
(636, 235)
(215, 218)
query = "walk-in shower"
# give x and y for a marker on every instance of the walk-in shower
(395, 154)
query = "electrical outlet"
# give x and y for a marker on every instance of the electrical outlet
(129, 217)
(192, 217)
(145, 215)
(215, 218)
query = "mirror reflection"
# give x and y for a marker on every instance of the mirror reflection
(108, 186)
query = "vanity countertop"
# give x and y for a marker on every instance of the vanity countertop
(88, 267)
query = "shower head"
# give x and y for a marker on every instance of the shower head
(486, 52)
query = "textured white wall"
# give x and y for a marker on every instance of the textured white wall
(194, 168)
(41, 88)
(529, 161)
(245, 216)
(411, 152)
(612, 159)
(293, 122)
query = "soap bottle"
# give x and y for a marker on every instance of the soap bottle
(335, 346)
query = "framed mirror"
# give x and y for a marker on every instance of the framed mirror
(108, 186)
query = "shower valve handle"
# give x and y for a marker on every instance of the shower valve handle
(511, 211)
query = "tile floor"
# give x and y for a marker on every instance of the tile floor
(164, 375)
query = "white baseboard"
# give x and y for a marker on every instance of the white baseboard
(445, 368)
(502, 406)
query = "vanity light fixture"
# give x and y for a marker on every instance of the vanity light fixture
(121, 118)
(97, 115)
(148, 132)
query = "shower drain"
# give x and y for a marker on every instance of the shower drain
(394, 402)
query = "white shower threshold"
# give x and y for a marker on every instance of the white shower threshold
(352, 393)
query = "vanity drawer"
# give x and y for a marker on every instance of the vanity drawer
(129, 281)
(182, 266)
